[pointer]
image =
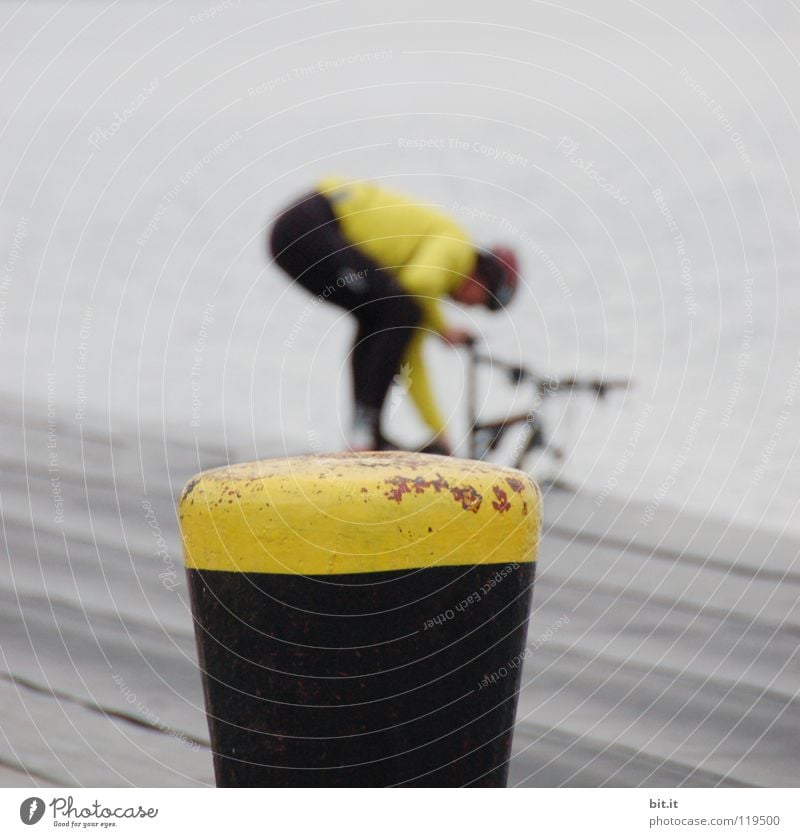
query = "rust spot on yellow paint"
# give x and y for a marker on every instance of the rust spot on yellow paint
(190, 487)
(400, 487)
(501, 504)
(469, 498)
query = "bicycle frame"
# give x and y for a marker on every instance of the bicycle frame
(485, 436)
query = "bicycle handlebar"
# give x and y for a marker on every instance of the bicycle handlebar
(517, 374)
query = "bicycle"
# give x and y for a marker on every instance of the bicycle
(486, 435)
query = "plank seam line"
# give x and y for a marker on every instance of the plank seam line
(536, 732)
(711, 611)
(147, 630)
(665, 553)
(24, 683)
(17, 767)
(658, 670)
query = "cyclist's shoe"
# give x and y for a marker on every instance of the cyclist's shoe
(364, 434)
(361, 439)
(382, 443)
(436, 446)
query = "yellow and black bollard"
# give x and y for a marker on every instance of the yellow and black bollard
(361, 619)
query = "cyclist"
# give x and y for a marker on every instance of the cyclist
(388, 259)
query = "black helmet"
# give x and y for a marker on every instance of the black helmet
(497, 269)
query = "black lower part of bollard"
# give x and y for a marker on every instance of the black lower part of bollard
(380, 679)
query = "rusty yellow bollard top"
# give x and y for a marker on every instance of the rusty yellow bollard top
(324, 515)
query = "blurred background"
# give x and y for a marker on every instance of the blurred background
(641, 158)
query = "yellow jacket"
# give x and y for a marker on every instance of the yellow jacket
(428, 252)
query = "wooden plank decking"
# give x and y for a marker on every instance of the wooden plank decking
(673, 660)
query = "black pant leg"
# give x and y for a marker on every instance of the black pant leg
(307, 243)
(386, 325)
